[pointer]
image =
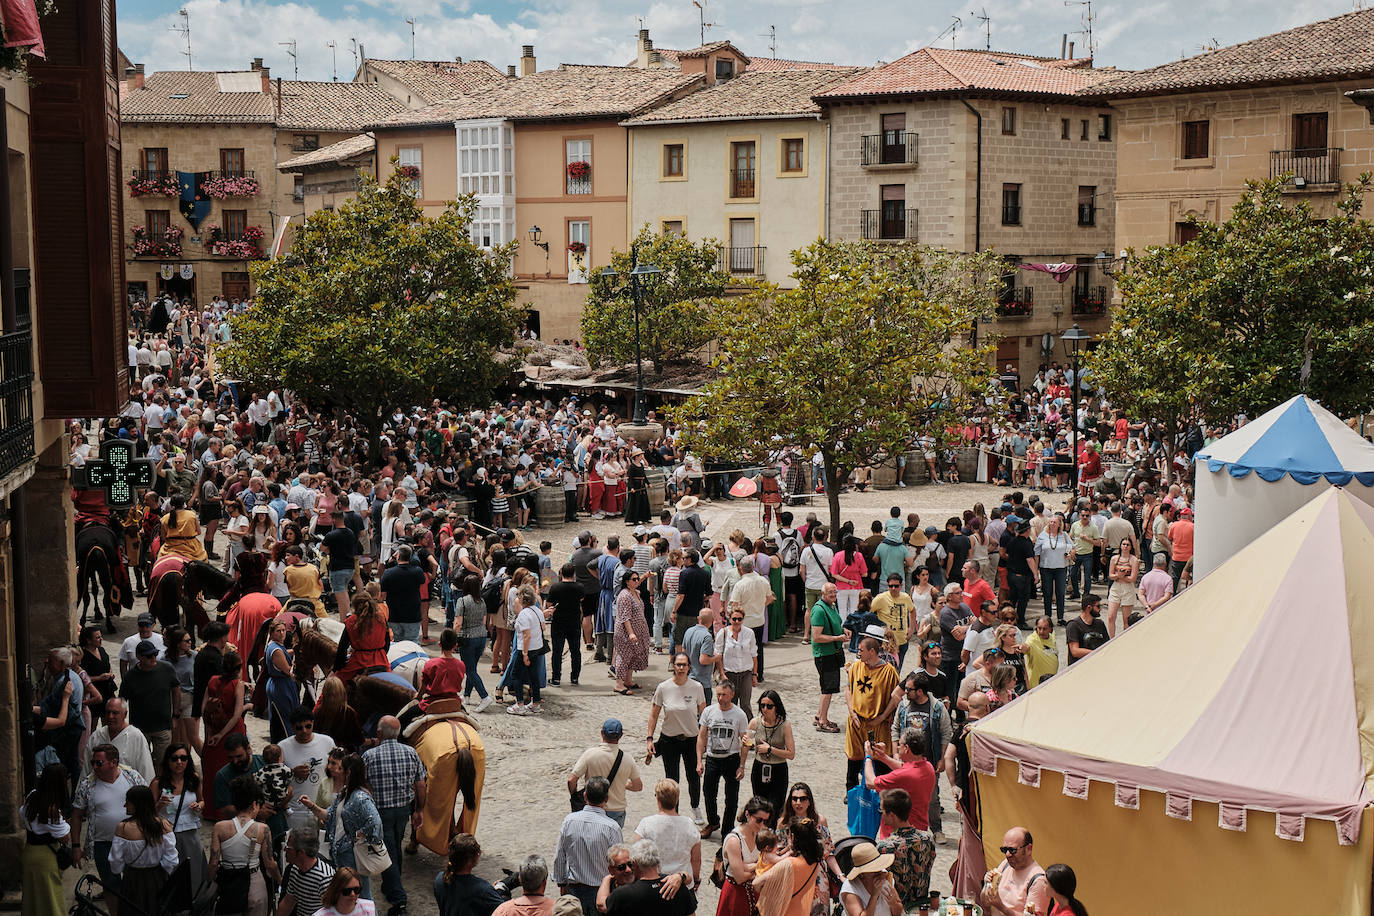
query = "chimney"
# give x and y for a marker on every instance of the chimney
(642, 49)
(1071, 50)
(458, 59)
(655, 60)
(267, 80)
(257, 63)
(527, 65)
(1064, 46)
(510, 70)
(133, 76)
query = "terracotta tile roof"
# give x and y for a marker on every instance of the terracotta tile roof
(710, 48)
(934, 71)
(330, 156)
(436, 80)
(1336, 48)
(762, 94)
(193, 96)
(176, 96)
(334, 106)
(779, 63)
(569, 92)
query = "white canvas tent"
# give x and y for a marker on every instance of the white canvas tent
(1251, 480)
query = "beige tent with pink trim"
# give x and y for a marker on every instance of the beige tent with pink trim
(1218, 757)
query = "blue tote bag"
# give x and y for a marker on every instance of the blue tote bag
(865, 808)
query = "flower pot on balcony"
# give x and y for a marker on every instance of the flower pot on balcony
(577, 262)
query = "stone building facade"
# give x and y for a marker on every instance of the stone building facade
(1194, 131)
(906, 164)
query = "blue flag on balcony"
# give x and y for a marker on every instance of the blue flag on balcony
(195, 206)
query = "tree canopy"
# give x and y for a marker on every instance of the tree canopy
(1224, 323)
(673, 310)
(866, 352)
(377, 305)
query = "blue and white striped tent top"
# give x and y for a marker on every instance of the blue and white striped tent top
(1299, 438)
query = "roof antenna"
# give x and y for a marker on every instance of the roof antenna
(333, 47)
(987, 24)
(185, 30)
(701, 17)
(411, 21)
(772, 37)
(290, 47)
(354, 43)
(951, 30)
(1087, 29)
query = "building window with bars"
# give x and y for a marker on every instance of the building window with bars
(579, 166)
(231, 163)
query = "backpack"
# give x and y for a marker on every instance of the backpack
(491, 594)
(790, 554)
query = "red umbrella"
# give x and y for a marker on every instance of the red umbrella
(745, 486)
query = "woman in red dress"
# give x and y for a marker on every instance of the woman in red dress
(365, 633)
(222, 713)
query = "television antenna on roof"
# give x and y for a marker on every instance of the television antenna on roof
(333, 47)
(701, 17)
(987, 24)
(290, 47)
(952, 30)
(772, 37)
(1088, 19)
(410, 20)
(185, 30)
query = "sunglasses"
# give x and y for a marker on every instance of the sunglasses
(766, 706)
(352, 891)
(180, 758)
(759, 818)
(622, 867)
(799, 798)
(932, 645)
(1010, 850)
(737, 620)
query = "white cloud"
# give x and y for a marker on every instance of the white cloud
(227, 34)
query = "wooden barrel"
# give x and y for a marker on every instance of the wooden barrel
(549, 506)
(885, 475)
(966, 460)
(658, 491)
(916, 471)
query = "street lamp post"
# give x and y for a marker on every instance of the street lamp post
(1075, 343)
(639, 273)
(535, 233)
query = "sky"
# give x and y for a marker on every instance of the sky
(227, 34)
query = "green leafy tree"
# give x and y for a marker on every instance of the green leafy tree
(674, 305)
(1224, 323)
(867, 351)
(377, 305)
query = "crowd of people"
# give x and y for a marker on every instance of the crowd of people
(304, 516)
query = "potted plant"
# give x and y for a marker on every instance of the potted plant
(409, 172)
(152, 184)
(222, 187)
(579, 171)
(577, 248)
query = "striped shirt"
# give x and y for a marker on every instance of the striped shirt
(306, 887)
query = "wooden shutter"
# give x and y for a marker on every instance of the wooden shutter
(78, 277)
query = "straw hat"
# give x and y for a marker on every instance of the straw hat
(687, 503)
(866, 859)
(917, 538)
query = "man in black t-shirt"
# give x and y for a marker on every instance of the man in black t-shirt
(1022, 570)
(342, 546)
(1086, 632)
(693, 589)
(584, 557)
(154, 695)
(566, 599)
(645, 894)
(401, 586)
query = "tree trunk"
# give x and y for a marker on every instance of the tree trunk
(833, 481)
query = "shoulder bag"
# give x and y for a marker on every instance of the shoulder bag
(372, 858)
(824, 569)
(577, 798)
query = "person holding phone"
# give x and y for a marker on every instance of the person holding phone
(773, 748)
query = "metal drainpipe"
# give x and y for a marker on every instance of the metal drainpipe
(978, 198)
(826, 178)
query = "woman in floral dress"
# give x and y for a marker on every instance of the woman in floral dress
(631, 634)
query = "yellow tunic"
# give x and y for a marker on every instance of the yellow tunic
(869, 691)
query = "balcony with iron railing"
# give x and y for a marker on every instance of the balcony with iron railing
(579, 185)
(1087, 215)
(16, 400)
(891, 148)
(900, 225)
(1090, 301)
(740, 261)
(742, 183)
(1016, 302)
(1307, 169)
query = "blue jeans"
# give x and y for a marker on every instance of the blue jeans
(405, 632)
(470, 651)
(1082, 573)
(1052, 584)
(618, 817)
(394, 822)
(102, 866)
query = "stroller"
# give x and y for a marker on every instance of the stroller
(177, 899)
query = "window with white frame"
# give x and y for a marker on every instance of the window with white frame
(486, 158)
(409, 157)
(579, 180)
(579, 249)
(493, 226)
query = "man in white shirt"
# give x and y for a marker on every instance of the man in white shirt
(789, 543)
(815, 564)
(306, 754)
(127, 658)
(665, 530)
(99, 801)
(753, 594)
(134, 750)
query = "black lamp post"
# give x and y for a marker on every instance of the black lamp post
(1075, 343)
(1111, 266)
(639, 273)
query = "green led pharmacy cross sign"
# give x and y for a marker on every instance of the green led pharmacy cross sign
(119, 473)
